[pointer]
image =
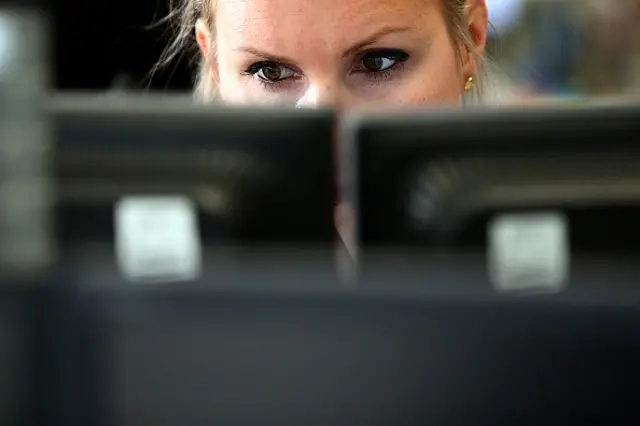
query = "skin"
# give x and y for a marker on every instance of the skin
(339, 53)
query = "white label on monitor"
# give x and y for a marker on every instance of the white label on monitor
(529, 253)
(157, 239)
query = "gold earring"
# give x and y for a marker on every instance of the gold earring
(469, 85)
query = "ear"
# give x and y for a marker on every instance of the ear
(204, 39)
(477, 21)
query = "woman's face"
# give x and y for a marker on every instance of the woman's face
(340, 53)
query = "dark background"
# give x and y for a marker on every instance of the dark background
(96, 41)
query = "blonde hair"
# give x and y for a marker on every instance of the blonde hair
(185, 13)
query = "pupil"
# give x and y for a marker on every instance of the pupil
(272, 73)
(373, 63)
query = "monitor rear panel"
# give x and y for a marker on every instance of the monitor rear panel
(432, 189)
(173, 357)
(260, 183)
(22, 341)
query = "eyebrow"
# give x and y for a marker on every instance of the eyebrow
(374, 38)
(264, 55)
(371, 39)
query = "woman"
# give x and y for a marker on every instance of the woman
(340, 53)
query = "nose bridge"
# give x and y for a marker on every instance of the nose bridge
(324, 93)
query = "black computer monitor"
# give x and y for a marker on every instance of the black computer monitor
(476, 201)
(247, 191)
(145, 356)
(22, 342)
(177, 354)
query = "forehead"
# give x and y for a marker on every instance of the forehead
(333, 22)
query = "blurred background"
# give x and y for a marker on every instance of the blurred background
(563, 48)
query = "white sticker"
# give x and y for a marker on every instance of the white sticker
(157, 239)
(529, 253)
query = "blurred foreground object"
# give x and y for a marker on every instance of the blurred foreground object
(431, 187)
(161, 189)
(425, 341)
(25, 243)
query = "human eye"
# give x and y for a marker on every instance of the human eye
(380, 63)
(269, 73)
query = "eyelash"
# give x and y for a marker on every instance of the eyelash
(267, 85)
(398, 56)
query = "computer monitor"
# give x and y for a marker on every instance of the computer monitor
(177, 354)
(160, 189)
(146, 356)
(498, 200)
(248, 192)
(22, 342)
